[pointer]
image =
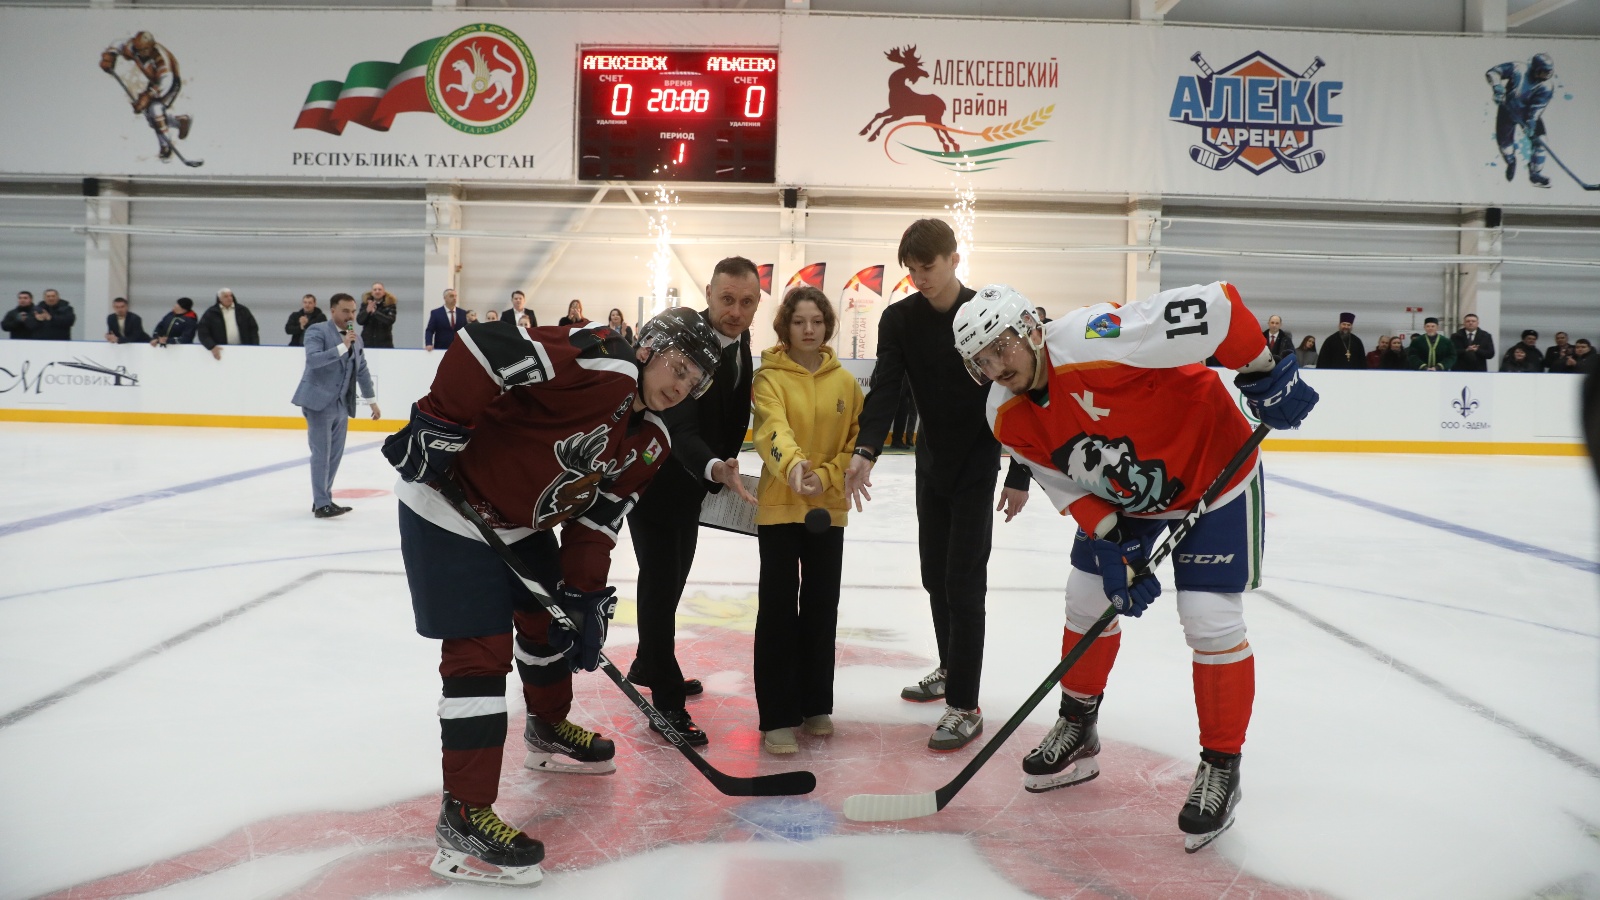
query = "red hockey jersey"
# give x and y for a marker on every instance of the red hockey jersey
(555, 441)
(1133, 422)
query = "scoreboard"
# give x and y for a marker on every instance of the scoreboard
(677, 114)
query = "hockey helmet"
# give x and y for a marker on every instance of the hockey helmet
(144, 42)
(986, 318)
(687, 332)
(1541, 67)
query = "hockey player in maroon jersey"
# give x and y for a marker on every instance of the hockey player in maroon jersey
(1111, 409)
(542, 428)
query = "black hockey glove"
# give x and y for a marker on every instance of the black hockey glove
(422, 450)
(1125, 572)
(590, 612)
(1280, 399)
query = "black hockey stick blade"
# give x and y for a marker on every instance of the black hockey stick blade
(778, 784)
(1581, 183)
(895, 807)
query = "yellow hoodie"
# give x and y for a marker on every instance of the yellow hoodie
(803, 415)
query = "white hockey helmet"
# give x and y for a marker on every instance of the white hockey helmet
(986, 317)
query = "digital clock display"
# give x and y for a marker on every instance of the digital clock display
(677, 114)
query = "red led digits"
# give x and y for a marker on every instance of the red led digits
(680, 114)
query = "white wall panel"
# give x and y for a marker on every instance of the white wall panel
(33, 260)
(1310, 294)
(1550, 299)
(269, 274)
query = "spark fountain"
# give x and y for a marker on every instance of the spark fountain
(661, 261)
(965, 213)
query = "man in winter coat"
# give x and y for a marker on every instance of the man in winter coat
(52, 319)
(227, 322)
(177, 326)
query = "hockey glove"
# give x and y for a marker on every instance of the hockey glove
(422, 450)
(1129, 584)
(1280, 399)
(590, 612)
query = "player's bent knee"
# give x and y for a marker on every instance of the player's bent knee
(1087, 601)
(1212, 622)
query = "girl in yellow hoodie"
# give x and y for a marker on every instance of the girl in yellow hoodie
(806, 406)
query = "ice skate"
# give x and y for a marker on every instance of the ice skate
(476, 845)
(1067, 754)
(1209, 810)
(929, 689)
(1538, 178)
(183, 123)
(567, 748)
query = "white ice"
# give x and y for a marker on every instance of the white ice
(210, 693)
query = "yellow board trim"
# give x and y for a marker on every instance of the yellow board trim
(77, 417)
(1495, 448)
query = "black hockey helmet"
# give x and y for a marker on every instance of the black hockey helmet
(686, 331)
(1541, 67)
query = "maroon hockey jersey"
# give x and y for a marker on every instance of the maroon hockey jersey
(555, 441)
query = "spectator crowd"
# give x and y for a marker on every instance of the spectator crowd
(227, 321)
(1466, 350)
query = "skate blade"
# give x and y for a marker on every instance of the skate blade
(1195, 842)
(453, 865)
(541, 761)
(1079, 772)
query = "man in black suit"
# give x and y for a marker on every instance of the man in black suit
(124, 326)
(706, 437)
(1474, 348)
(519, 308)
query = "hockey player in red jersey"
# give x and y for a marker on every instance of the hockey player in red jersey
(1111, 409)
(541, 428)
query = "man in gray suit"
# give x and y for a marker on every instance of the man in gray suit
(335, 363)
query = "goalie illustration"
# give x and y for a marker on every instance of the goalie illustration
(152, 83)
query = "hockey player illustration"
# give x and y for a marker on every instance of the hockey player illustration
(1144, 386)
(156, 69)
(541, 430)
(1521, 93)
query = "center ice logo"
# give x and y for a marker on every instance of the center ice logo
(1257, 112)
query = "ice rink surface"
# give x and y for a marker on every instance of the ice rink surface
(207, 693)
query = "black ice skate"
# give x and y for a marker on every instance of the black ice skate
(1537, 178)
(567, 748)
(1067, 754)
(1209, 810)
(476, 845)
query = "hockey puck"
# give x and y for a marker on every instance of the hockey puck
(818, 521)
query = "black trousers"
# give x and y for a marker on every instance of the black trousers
(796, 620)
(955, 528)
(905, 419)
(664, 538)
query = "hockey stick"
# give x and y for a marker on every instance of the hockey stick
(779, 784)
(1581, 183)
(894, 807)
(1302, 163)
(166, 141)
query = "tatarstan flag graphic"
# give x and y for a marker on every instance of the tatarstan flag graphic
(812, 275)
(903, 288)
(764, 271)
(371, 95)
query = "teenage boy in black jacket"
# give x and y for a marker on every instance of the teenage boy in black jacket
(958, 461)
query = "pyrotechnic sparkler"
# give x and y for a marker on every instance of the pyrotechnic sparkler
(661, 261)
(965, 212)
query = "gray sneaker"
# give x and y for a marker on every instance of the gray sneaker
(956, 728)
(929, 689)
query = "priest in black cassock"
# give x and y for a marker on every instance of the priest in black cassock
(1342, 349)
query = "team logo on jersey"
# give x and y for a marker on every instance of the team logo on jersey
(1105, 325)
(1256, 112)
(1110, 469)
(651, 452)
(583, 476)
(984, 89)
